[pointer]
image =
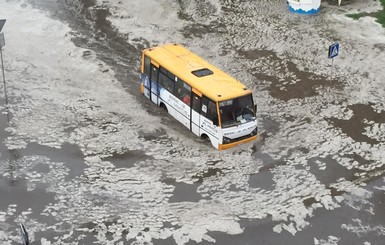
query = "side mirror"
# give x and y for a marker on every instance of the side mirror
(215, 121)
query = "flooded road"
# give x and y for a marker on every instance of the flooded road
(81, 165)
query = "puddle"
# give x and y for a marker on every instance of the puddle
(4, 152)
(168, 241)
(355, 126)
(41, 168)
(184, 192)
(324, 223)
(127, 159)
(206, 174)
(263, 180)
(68, 154)
(200, 30)
(332, 170)
(93, 31)
(305, 85)
(157, 134)
(378, 199)
(255, 231)
(269, 125)
(269, 163)
(79, 237)
(14, 191)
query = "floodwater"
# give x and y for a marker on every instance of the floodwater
(81, 165)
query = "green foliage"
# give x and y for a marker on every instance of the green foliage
(357, 16)
(380, 15)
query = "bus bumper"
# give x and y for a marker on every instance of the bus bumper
(230, 145)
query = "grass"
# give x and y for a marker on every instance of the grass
(380, 15)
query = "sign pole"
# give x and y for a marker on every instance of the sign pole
(2, 44)
(5, 86)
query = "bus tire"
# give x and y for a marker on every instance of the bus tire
(164, 107)
(205, 138)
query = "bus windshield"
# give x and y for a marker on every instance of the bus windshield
(236, 111)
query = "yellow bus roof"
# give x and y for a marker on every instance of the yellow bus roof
(218, 86)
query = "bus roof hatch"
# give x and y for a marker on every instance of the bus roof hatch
(202, 72)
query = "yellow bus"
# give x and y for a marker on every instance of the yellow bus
(206, 100)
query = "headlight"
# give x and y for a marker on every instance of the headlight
(255, 131)
(226, 140)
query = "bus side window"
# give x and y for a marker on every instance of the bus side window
(178, 89)
(154, 74)
(212, 112)
(205, 101)
(166, 82)
(182, 91)
(147, 66)
(196, 103)
(186, 94)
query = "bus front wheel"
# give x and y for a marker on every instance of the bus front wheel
(205, 138)
(163, 106)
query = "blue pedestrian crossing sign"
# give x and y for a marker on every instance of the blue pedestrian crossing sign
(334, 50)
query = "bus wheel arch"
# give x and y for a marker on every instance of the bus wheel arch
(163, 106)
(207, 139)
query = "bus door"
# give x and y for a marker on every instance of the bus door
(154, 95)
(146, 76)
(195, 111)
